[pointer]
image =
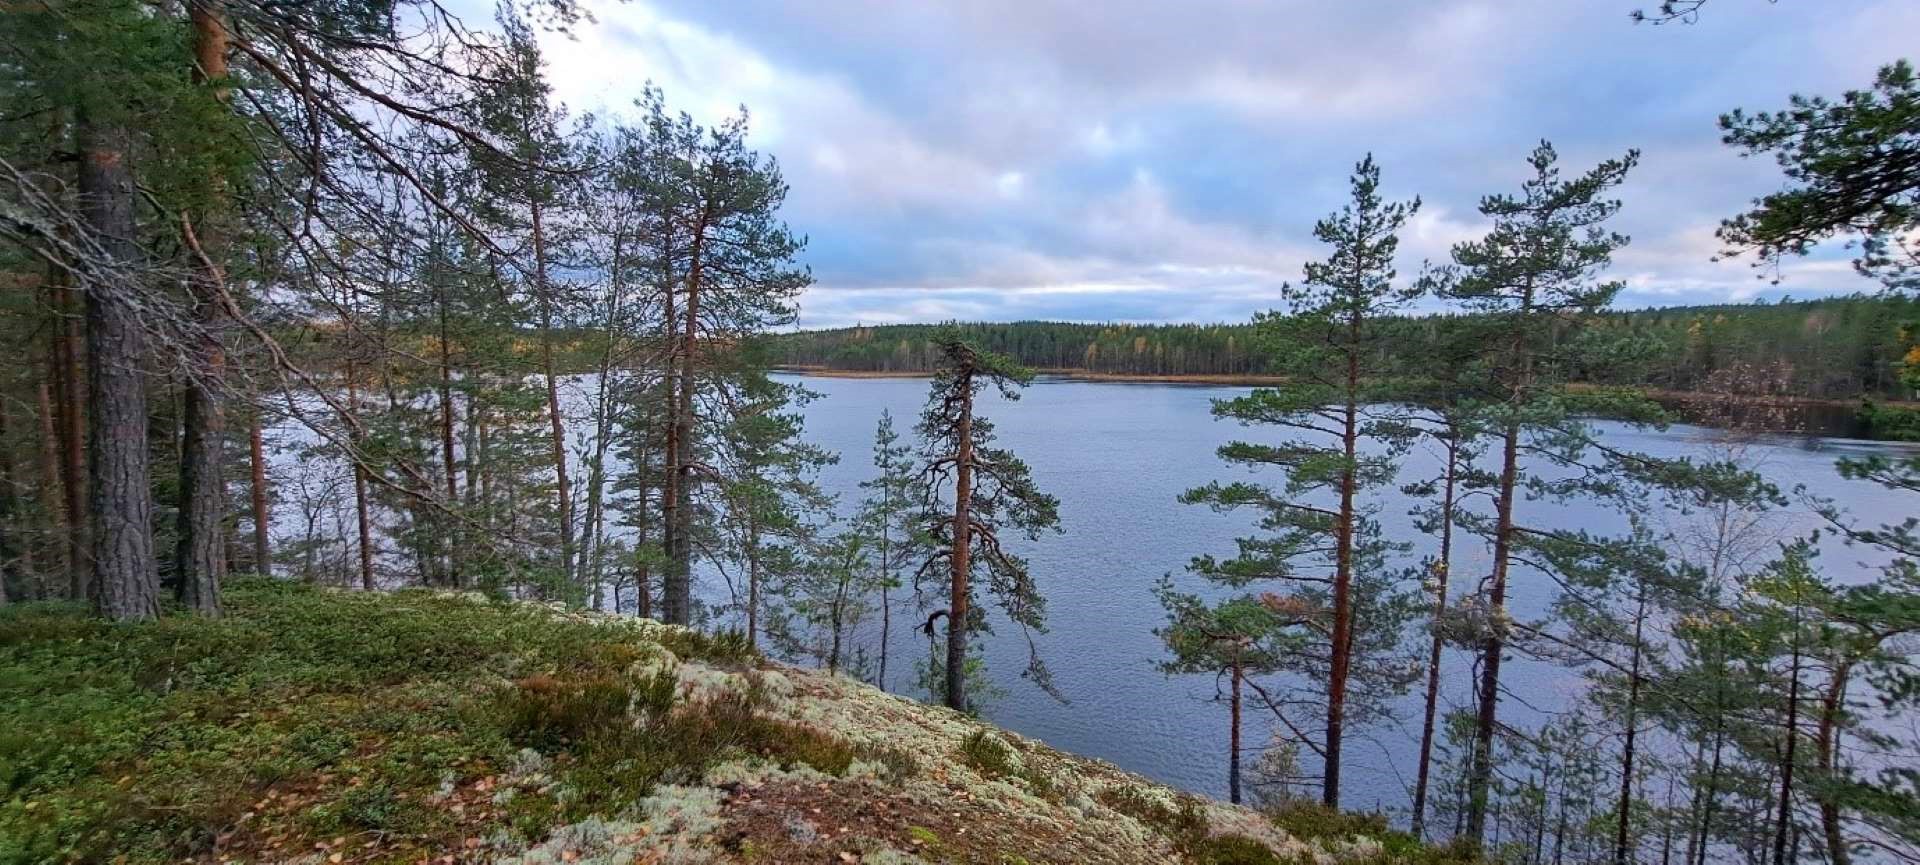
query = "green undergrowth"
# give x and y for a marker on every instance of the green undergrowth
(384, 726)
(1312, 821)
(315, 726)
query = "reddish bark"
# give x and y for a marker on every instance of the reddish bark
(957, 610)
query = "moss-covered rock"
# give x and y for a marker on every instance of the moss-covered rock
(344, 727)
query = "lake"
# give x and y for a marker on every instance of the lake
(1117, 455)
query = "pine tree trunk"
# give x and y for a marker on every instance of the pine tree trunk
(837, 623)
(16, 547)
(753, 584)
(69, 346)
(679, 586)
(1481, 776)
(1666, 828)
(448, 459)
(52, 496)
(1623, 831)
(125, 579)
(262, 517)
(1442, 571)
(1709, 794)
(563, 490)
(594, 556)
(1233, 736)
(1827, 746)
(363, 519)
(671, 583)
(1342, 637)
(957, 610)
(1785, 818)
(1489, 699)
(200, 559)
(886, 579)
(642, 531)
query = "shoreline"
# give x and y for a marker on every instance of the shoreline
(1068, 373)
(1255, 380)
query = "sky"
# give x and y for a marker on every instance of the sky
(1165, 160)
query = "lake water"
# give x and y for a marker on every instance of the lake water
(1116, 455)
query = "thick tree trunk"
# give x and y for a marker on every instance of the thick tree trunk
(200, 558)
(126, 581)
(957, 610)
(1442, 571)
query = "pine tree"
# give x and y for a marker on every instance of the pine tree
(1854, 169)
(1535, 267)
(726, 267)
(887, 520)
(1454, 433)
(970, 492)
(768, 477)
(1235, 638)
(1331, 336)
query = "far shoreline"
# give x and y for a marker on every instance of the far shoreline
(1068, 373)
(1832, 417)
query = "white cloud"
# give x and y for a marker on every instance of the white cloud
(1005, 158)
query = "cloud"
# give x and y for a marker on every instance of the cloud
(1140, 159)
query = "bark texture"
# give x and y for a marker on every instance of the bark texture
(125, 574)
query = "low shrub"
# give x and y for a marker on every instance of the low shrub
(1232, 850)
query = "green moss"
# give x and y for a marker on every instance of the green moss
(141, 741)
(412, 722)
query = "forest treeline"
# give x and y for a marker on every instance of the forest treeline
(344, 294)
(1837, 348)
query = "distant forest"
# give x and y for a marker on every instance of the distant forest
(1832, 348)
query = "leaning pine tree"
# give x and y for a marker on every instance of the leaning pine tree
(1326, 556)
(972, 492)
